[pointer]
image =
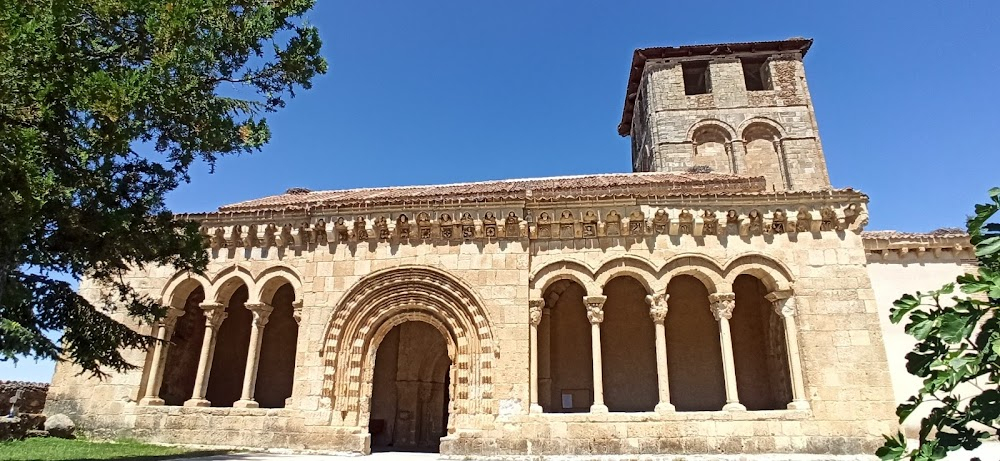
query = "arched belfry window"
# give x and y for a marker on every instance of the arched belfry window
(763, 154)
(712, 149)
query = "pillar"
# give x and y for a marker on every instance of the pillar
(722, 305)
(784, 306)
(658, 312)
(215, 313)
(261, 312)
(545, 360)
(534, 318)
(739, 152)
(164, 331)
(297, 316)
(595, 313)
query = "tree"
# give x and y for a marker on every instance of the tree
(957, 352)
(104, 107)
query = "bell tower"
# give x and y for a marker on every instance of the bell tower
(736, 108)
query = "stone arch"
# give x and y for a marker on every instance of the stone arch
(698, 266)
(565, 269)
(272, 278)
(713, 123)
(711, 141)
(176, 291)
(774, 274)
(750, 122)
(382, 295)
(642, 270)
(764, 156)
(228, 280)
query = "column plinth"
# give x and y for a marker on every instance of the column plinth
(215, 314)
(722, 305)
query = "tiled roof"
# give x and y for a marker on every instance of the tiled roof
(948, 232)
(587, 186)
(640, 56)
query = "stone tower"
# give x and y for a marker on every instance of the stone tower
(740, 108)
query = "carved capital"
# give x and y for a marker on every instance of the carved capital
(535, 310)
(658, 306)
(297, 311)
(722, 305)
(595, 308)
(215, 313)
(783, 302)
(261, 312)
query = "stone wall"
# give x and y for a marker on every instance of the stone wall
(32, 399)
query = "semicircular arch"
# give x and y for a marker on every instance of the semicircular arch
(177, 290)
(274, 277)
(639, 268)
(749, 123)
(773, 273)
(228, 280)
(696, 265)
(711, 124)
(565, 269)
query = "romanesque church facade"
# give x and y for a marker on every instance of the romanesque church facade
(719, 299)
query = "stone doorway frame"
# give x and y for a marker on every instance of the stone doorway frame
(417, 314)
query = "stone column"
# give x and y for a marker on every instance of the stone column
(658, 312)
(164, 331)
(297, 316)
(722, 305)
(261, 312)
(215, 313)
(784, 306)
(545, 361)
(595, 313)
(739, 153)
(534, 318)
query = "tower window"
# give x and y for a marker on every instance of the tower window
(696, 78)
(756, 74)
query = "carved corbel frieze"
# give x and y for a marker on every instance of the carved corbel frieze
(236, 237)
(446, 226)
(319, 231)
(544, 225)
(778, 222)
(613, 224)
(490, 225)
(589, 224)
(709, 223)
(403, 227)
(685, 223)
(424, 226)
(636, 223)
(468, 227)
(512, 226)
(661, 222)
(360, 229)
(567, 225)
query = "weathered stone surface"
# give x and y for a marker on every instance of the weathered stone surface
(59, 425)
(31, 400)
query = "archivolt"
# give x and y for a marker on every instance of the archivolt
(774, 274)
(633, 266)
(180, 286)
(396, 293)
(224, 283)
(563, 270)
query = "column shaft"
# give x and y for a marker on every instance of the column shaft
(261, 312)
(163, 332)
(214, 315)
(595, 313)
(784, 306)
(722, 308)
(658, 312)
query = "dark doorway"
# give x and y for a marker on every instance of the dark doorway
(409, 409)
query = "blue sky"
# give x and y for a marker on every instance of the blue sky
(449, 91)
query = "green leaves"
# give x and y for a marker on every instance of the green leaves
(958, 343)
(106, 105)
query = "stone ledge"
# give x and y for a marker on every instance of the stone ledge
(620, 417)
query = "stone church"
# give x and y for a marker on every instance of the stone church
(722, 298)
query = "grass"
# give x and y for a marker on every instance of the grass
(46, 449)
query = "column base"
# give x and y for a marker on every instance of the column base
(157, 402)
(664, 407)
(197, 403)
(595, 408)
(799, 405)
(535, 409)
(734, 406)
(246, 404)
